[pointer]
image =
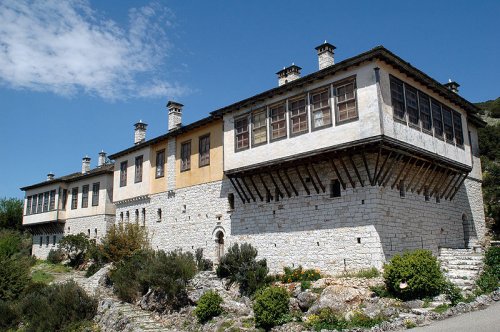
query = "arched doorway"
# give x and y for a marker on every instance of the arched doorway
(466, 229)
(219, 240)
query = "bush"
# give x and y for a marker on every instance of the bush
(121, 241)
(55, 256)
(452, 293)
(203, 264)
(14, 243)
(208, 306)
(239, 265)
(74, 246)
(330, 320)
(271, 307)
(14, 276)
(299, 274)
(417, 271)
(128, 276)
(492, 260)
(9, 317)
(487, 281)
(56, 307)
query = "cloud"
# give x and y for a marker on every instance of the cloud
(66, 47)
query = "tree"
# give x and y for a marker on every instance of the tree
(11, 213)
(75, 247)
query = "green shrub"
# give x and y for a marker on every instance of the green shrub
(208, 306)
(55, 256)
(452, 293)
(299, 274)
(239, 265)
(128, 275)
(14, 243)
(271, 307)
(9, 317)
(492, 260)
(305, 284)
(92, 269)
(14, 276)
(121, 241)
(55, 307)
(75, 246)
(330, 320)
(367, 273)
(203, 264)
(441, 308)
(487, 281)
(417, 271)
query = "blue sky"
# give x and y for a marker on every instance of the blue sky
(75, 76)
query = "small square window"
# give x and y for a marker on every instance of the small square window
(335, 188)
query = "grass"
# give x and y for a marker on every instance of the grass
(441, 308)
(364, 273)
(42, 277)
(44, 271)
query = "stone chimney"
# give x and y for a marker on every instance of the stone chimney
(85, 164)
(452, 85)
(288, 74)
(174, 115)
(102, 159)
(50, 176)
(325, 55)
(140, 132)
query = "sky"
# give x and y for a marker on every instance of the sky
(76, 75)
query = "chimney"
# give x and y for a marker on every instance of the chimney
(174, 115)
(288, 74)
(140, 132)
(102, 159)
(50, 176)
(325, 55)
(452, 85)
(85, 164)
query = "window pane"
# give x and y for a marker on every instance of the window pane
(160, 163)
(241, 130)
(457, 125)
(278, 121)
(74, 198)
(186, 156)
(204, 150)
(437, 118)
(346, 102)
(321, 108)
(397, 98)
(123, 173)
(52, 204)
(448, 124)
(425, 111)
(85, 196)
(138, 168)
(259, 127)
(412, 104)
(95, 193)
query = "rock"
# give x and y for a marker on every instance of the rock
(289, 327)
(483, 301)
(339, 298)
(238, 308)
(293, 304)
(306, 299)
(414, 304)
(495, 296)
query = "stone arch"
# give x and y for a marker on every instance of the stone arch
(219, 237)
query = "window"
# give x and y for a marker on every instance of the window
(95, 193)
(159, 215)
(52, 204)
(45, 201)
(160, 163)
(40, 202)
(28, 205)
(186, 156)
(127, 216)
(402, 191)
(259, 129)
(346, 102)
(298, 116)
(95, 233)
(320, 108)
(143, 217)
(278, 121)
(457, 126)
(121, 216)
(437, 119)
(33, 204)
(426, 193)
(85, 196)
(138, 169)
(136, 216)
(47, 240)
(335, 188)
(88, 232)
(41, 241)
(54, 240)
(123, 173)
(397, 97)
(412, 105)
(425, 111)
(230, 200)
(241, 132)
(74, 198)
(448, 124)
(204, 150)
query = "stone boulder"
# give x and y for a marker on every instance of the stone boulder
(339, 298)
(306, 299)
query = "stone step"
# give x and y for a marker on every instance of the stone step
(461, 275)
(461, 256)
(462, 266)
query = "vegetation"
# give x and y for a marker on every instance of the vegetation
(490, 108)
(11, 214)
(330, 320)
(364, 273)
(414, 275)
(489, 279)
(208, 306)
(14, 276)
(203, 264)
(55, 256)
(441, 308)
(271, 307)
(452, 293)
(240, 265)
(122, 240)
(299, 274)
(74, 246)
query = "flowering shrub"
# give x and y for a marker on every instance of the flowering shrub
(299, 274)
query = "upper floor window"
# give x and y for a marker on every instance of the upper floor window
(34, 204)
(278, 121)
(412, 105)
(95, 193)
(28, 205)
(45, 201)
(437, 118)
(160, 163)
(186, 156)
(40, 202)
(74, 198)
(123, 173)
(138, 169)
(85, 196)
(425, 111)
(298, 116)
(52, 203)
(204, 150)
(448, 124)
(457, 125)
(259, 128)
(397, 97)
(320, 108)
(241, 132)
(346, 101)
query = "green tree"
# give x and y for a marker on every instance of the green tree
(75, 247)
(11, 213)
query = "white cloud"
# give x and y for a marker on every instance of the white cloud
(66, 47)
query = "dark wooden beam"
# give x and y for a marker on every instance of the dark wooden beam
(439, 182)
(242, 190)
(400, 173)
(302, 180)
(275, 185)
(311, 178)
(356, 171)
(420, 177)
(317, 178)
(268, 192)
(382, 168)
(236, 188)
(452, 177)
(405, 176)
(366, 167)
(290, 182)
(283, 183)
(415, 174)
(388, 173)
(256, 189)
(436, 173)
(374, 180)
(452, 189)
(423, 184)
(458, 187)
(336, 170)
(247, 188)
(347, 172)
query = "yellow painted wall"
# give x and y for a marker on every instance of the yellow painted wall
(197, 175)
(158, 184)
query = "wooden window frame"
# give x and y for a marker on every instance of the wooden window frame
(324, 109)
(204, 150)
(74, 198)
(457, 129)
(46, 201)
(28, 205)
(139, 160)
(96, 187)
(427, 114)
(185, 159)
(243, 136)
(123, 173)
(437, 118)
(395, 82)
(301, 113)
(278, 121)
(260, 127)
(52, 202)
(85, 196)
(338, 86)
(448, 131)
(412, 111)
(160, 164)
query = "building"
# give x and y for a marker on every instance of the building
(76, 203)
(337, 170)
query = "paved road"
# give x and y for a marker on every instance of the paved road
(487, 320)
